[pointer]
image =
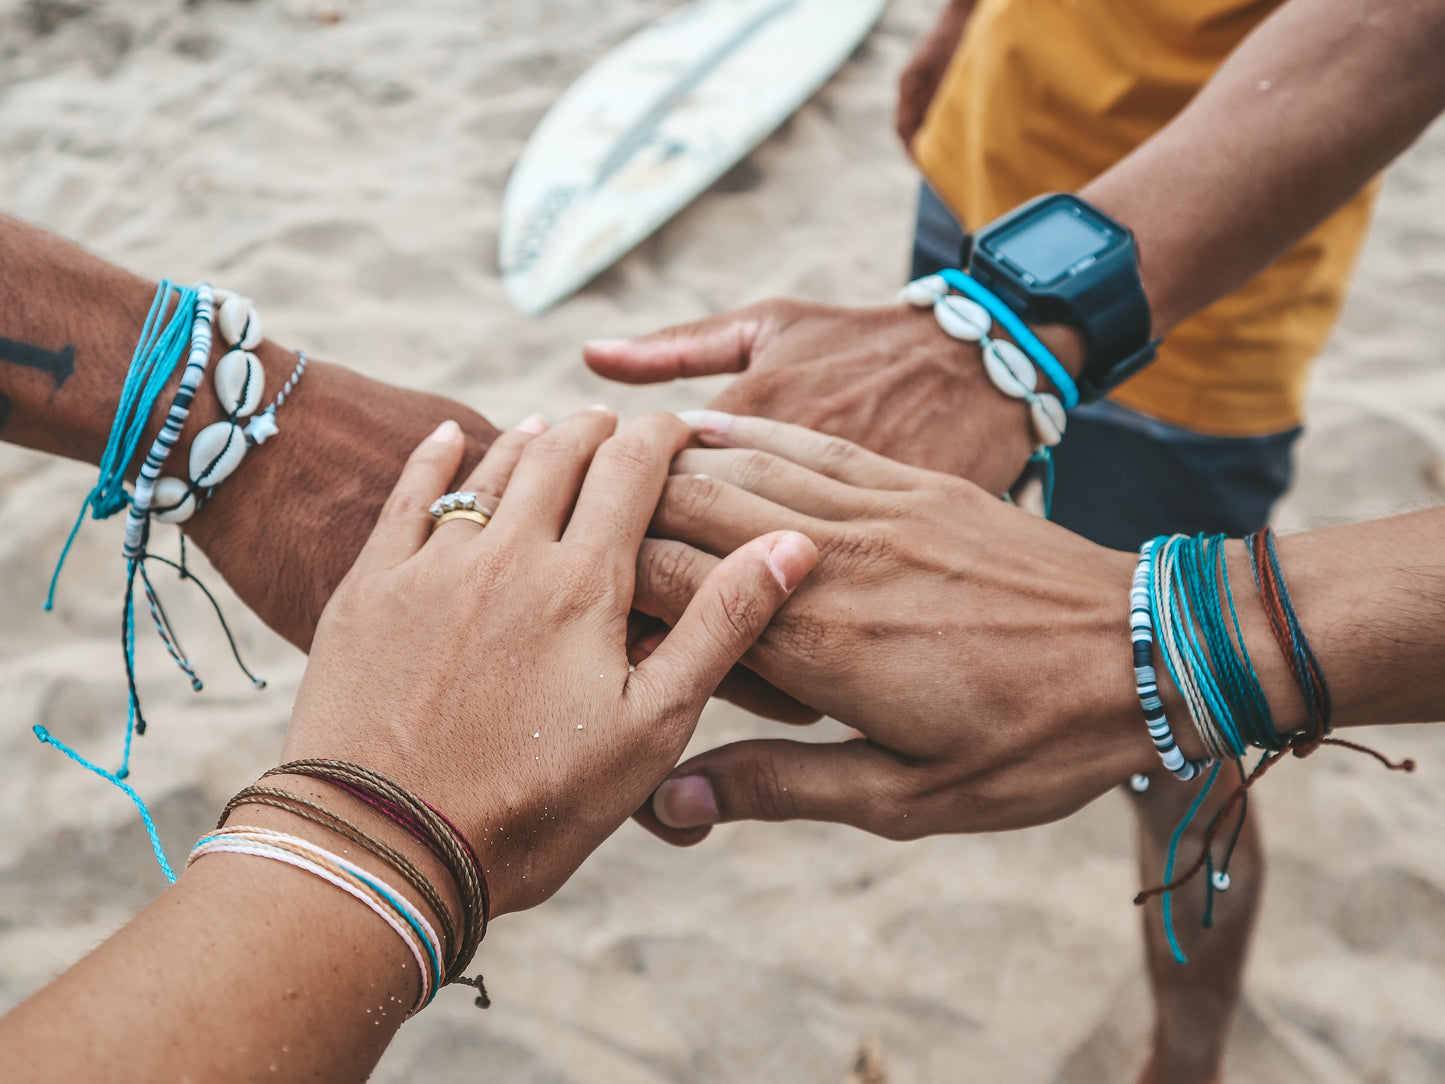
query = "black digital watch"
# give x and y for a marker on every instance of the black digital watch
(1060, 260)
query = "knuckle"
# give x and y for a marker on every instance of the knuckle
(658, 424)
(667, 569)
(755, 469)
(576, 586)
(832, 453)
(688, 499)
(486, 573)
(630, 454)
(556, 447)
(738, 615)
(801, 635)
(767, 794)
(893, 806)
(859, 546)
(406, 504)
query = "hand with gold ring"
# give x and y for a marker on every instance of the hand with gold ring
(487, 669)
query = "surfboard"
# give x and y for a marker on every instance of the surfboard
(656, 121)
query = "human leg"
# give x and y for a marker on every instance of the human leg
(1123, 478)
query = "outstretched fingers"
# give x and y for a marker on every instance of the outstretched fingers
(717, 344)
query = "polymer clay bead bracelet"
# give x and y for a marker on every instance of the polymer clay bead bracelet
(1146, 681)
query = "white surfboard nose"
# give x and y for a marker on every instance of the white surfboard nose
(653, 124)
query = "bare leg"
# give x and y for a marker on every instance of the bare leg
(1194, 1003)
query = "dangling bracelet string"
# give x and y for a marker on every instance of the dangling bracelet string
(157, 353)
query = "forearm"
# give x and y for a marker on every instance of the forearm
(287, 525)
(244, 969)
(1370, 597)
(1321, 97)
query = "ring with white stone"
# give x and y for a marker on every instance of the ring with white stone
(457, 502)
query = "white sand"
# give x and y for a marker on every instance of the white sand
(348, 175)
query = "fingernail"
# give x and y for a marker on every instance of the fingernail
(790, 559)
(447, 432)
(535, 424)
(685, 803)
(602, 407)
(707, 423)
(605, 344)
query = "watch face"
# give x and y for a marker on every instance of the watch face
(1045, 247)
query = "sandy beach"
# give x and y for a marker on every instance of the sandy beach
(343, 163)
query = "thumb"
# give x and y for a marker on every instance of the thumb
(851, 782)
(732, 607)
(717, 344)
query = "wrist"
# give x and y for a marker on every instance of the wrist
(1064, 343)
(1110, 703)
(370, 822)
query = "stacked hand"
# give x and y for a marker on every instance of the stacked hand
(980, 651)
(486, 668)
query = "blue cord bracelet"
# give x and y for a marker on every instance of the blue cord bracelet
(1009, 320)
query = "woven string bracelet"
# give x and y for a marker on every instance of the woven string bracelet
(391, 906)
(318, 814)
(427, 824)
(178, 324)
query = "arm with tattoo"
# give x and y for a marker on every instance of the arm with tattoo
(287, 526)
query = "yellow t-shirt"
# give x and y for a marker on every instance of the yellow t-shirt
(1044, 95)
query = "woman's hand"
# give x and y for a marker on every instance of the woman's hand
(486, 668)
(982, 652)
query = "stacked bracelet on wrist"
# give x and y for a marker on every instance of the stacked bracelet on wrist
(178, 326)
(457, 944)
(1010, 369)
(1181, 594)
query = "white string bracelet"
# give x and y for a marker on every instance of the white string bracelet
(390, 905)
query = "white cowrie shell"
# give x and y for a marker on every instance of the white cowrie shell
(240, 382)
(239, 322)
(220, 296)
(216, 452)
(965, 320)
(921, 293)
(1018, 363)
(172, 501)
(1048, 418)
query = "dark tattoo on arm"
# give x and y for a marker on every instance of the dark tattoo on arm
(58, 363)
(4, 412)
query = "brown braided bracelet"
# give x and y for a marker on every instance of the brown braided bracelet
(319, 814)
(427, 825)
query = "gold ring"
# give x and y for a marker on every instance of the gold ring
(476, 515)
